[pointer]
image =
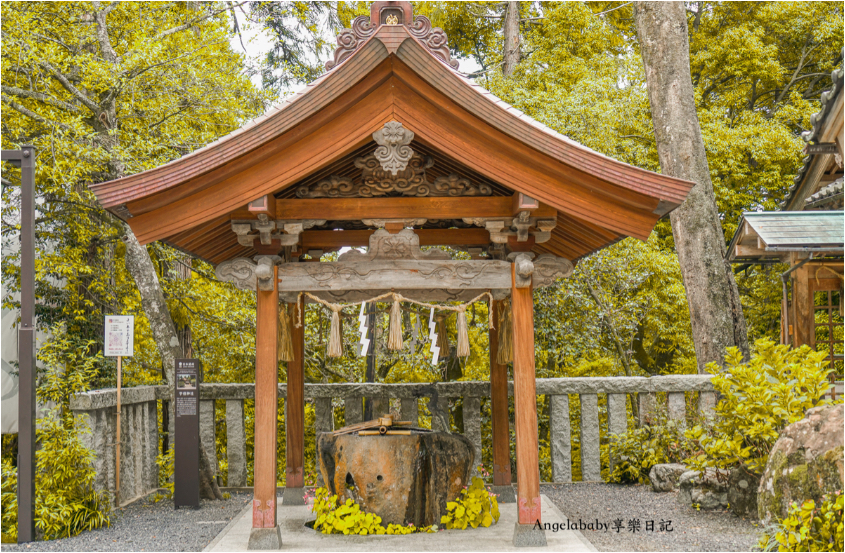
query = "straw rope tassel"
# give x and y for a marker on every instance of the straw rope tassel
(463, 334)
(505, 353)
(442, 332)
(335, 348)
(285, 342)
(394, 339)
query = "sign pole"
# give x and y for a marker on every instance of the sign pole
(117, 442)
(119, 342)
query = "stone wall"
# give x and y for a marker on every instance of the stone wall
(139, 438)
(139, 473)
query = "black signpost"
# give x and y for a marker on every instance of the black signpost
(186, 462)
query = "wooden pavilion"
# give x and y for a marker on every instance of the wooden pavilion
(393, 149)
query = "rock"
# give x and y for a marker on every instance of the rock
(709, 491)
(742, 491)
(402, 479)
(805, 463)
(664, 477)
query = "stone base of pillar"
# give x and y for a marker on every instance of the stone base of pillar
(293, 497)
(265, 539)
(528, 535)
(506, 493)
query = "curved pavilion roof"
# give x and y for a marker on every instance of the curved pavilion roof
(387, 72)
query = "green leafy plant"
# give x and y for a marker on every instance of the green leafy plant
(475, 507)
(808, 527)
(639, 449)
(334, 517)
(165, 475)
(758, 400)
(66, 502)
(9, 516)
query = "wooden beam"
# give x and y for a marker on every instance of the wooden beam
(295, 407)
(405, 274)
(437, 207)
(499, 408)
(525, 405)
(333, 239)
(803, 320)
(266, 409)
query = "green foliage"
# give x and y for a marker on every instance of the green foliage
(639, 449)
(9, 502)
(104, 90)
(347, 518)
(475, 507)
(165, 474)
(758, 400)
(66, 502)
(808, 527)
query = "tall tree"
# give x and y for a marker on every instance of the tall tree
(103, 90)
(715, 309)
(511, 53)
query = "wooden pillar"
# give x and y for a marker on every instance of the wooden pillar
(499, 408)
(525, 404)
(295, 407)
(802, 301)
(266, 408)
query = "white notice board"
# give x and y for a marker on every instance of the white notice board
(120, 333)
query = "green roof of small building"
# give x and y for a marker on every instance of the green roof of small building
(769, 235)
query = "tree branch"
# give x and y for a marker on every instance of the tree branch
(15, 91)
(32, 115)
(65, 82)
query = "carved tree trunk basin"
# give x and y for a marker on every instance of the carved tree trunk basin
(402, 479)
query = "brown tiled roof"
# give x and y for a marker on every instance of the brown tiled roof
(599, 200)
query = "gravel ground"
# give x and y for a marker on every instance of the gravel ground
(691, 530)
(148, 526)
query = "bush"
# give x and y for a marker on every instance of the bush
(758, 400)
(639, 449)
(475, 507)
(808, 528)
(66, 502)
(9, 516)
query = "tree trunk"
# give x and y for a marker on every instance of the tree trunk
(140, 266)
(715, 310)
(512, 53)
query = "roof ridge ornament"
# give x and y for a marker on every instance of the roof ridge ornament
(392, 13)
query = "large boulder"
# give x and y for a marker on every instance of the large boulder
(664, 477)
(708, 491)
(805, 463)
(742, 491)
(402, 479)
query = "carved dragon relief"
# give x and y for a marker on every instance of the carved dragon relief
(247, 274)
(433, 39)
(542, 271)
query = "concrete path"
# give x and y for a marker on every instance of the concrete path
(297, 537)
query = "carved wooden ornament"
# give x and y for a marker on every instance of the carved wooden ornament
(247, 274)
(393, 152)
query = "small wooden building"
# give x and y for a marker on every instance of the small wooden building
(808, 235)
(394, 149)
